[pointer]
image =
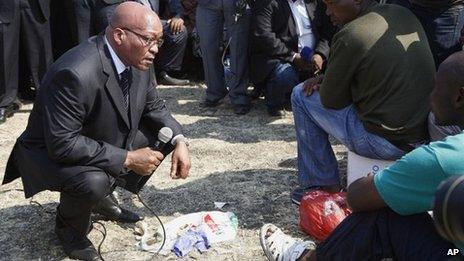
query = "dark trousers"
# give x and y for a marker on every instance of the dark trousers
(9, 53)
(72, 23)
(81, 193)
(36, 54)
(443, 29)
(385, 234)
(171, 53)
(279, 85)
(25, 49)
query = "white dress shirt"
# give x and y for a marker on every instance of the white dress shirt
(306, 36)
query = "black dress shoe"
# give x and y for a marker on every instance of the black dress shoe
(110, 209)
(9, 111)
(88, 254)
(81, 249)
(166, 79)
(275, 112)
(242, 109)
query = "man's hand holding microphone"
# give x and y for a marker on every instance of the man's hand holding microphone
(145, 161)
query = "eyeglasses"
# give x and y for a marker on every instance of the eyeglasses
(147, 42)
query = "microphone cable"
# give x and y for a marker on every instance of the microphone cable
(104, 232)
(159, 220)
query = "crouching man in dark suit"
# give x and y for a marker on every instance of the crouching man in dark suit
(94, 118)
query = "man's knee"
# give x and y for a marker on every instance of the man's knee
(286, 74)
(175, 39)
(94, 187)
(297, 94)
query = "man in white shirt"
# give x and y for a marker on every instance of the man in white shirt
(290, 42)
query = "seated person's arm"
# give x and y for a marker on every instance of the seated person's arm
(176, 8)
(363, 195)
(407, 186)
(263, 36)
(176, 22)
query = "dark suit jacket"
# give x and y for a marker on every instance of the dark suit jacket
(79, 122)
(8, 8)
(275, 38)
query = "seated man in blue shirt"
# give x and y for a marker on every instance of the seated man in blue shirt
(390, 217)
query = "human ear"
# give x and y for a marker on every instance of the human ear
(119, 36)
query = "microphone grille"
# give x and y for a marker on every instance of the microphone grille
(165, 134)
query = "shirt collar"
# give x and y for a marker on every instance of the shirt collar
(120, 66)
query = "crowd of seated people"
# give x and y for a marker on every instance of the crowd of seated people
(381, 97)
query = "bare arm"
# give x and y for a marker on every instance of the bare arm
(363, 195)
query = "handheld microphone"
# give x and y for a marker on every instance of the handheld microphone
(164, 136)
(307, 53)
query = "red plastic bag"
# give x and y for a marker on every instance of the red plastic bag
(321, 212)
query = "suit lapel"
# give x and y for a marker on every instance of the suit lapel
(112, 83)
(291, 20)
(311, 9)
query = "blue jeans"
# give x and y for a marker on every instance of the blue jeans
(279, 84)
(317, 165)
(443, 29)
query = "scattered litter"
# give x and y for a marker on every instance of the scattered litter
(145, 239)
(196, 230)
(220, 205)
(189, 240)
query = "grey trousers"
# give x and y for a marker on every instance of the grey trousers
(210, 20)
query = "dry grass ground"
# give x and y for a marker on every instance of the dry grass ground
(248, 161)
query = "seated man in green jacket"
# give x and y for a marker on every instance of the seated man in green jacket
(374, 97)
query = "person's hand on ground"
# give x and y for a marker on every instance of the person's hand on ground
(311, 85)
(143, 161)
(317, 62)
(176, 24)
(180, 164)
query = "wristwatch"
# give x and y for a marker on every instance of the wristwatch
(180, 138)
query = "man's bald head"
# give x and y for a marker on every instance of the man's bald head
(448, 95)
(135, 33)
(134, 15)
(451, 72)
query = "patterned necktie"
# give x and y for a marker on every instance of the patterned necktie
(124, 83)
